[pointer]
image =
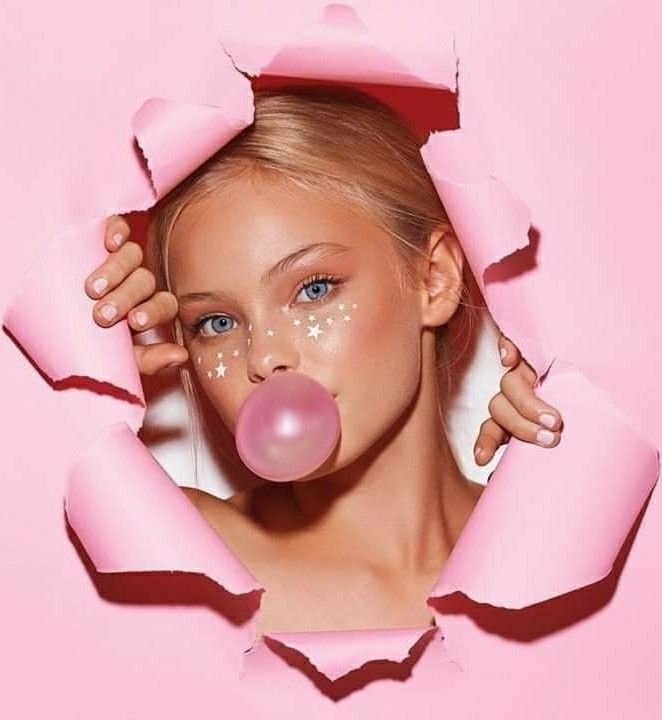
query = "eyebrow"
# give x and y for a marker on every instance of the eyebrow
(324, 249)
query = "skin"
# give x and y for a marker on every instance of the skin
(362, 545)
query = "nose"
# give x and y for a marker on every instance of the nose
(270, 350)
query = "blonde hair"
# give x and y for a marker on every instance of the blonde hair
(348, 145)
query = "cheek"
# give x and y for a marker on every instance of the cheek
(371, 338)
(218, 368)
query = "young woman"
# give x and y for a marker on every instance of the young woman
(315, 242)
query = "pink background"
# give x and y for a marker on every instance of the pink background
(565, 99)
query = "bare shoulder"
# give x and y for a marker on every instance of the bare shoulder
(233, 519)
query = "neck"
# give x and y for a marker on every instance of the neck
(404, 503)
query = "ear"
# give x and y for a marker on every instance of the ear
(442, 277)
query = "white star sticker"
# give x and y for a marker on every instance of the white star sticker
(219, 355)
(314, 331)
(311, 317)
(209, 373)
(329, 320)
(347, 318)
(297, 322)
(220, 370)
(235, 353)
(354, 305)
(270, 332)
(341, 306)
(199, 359)
(250, 327)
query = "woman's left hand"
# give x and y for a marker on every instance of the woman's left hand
(516, 410)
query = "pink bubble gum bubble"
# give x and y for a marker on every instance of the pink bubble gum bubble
(287, 427)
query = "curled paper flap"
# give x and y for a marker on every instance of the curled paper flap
(341, 48)
(196, 131)
(491, 223)
(122, 505)
(51, 316)
(544, 528)
(337, 653)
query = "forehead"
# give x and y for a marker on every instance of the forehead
(249, 224)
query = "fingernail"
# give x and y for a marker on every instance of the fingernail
(108, 312)
(173, 364)
(99, 285)
(547, 420)
(140, 318)
(545, 437)
(478, 452)
(117, 239)
(503, 352)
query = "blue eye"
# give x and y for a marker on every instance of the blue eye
(216, 324)
(316, 285)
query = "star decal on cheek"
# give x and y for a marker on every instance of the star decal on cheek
(314, 331)
(270, 332)
(222, 369)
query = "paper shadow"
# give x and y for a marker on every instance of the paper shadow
(517, 263)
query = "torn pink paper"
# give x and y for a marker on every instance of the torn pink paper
(336, 654)
(340, 48)
(51, 316)
(122, 503)
(543, 528)
(491, 223)
(161, 124)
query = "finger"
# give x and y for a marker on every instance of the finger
(508, 418)
(490, 437)
(114, 270)
(117, 231)
(508, 351)
(139, 286)
(151, 359)
(517, 387)
(161, 308)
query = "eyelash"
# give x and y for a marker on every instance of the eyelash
(320, 277)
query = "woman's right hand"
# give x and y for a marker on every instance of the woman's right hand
(126, 289)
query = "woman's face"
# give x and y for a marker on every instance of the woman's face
(335, 311)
